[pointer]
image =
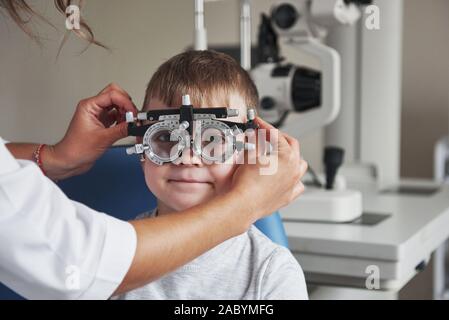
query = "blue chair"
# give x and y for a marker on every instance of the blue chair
(273, 228)
(116, 185)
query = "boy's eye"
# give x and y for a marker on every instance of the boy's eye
(163, 137)
(216, 139)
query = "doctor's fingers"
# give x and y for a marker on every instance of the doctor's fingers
(296, 174)
(293, 142)
(120, 117)
(107, 101)
(115, 87)
(263, 124)
(272, 134)
(280, 141)
(290, 145)
(111, 135)
(297, 190)
(303, 167)
(110, 117)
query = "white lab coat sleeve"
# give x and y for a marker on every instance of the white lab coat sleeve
(55, 248)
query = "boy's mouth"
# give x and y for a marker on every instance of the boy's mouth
(187, 181)
(189, 185)
(189, 178)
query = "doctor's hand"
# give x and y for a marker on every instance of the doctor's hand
(98, 122)
(270, 182)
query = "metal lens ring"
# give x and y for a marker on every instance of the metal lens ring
(161, 146)
(217, 141)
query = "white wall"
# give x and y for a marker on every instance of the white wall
(425, 94)
(39, 93)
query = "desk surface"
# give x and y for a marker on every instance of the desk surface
(417, 226)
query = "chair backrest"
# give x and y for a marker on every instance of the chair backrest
(273, 228)
(116, 185)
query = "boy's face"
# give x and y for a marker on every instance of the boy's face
(189, 181)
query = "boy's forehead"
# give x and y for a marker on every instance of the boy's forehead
(235, 102)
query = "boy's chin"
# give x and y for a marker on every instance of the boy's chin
(184, 204)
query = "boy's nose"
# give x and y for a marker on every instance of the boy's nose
(188, 157)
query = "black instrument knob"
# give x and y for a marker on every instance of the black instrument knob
(333, 159)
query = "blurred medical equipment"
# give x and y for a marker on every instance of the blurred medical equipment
(200, 33)
(285, 87)
(441, 160)
(441, 256)
(171, 131)
(325, 199)
(306, 98)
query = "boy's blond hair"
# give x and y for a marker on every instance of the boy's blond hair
(207, 76)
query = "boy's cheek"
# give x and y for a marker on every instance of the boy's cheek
(153, 173)
(223, 175)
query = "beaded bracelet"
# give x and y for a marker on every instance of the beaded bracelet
(37, 156)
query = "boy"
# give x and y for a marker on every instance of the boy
(249, 266)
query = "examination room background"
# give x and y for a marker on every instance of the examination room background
(39, 92)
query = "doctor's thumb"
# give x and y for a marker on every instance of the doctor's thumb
(115, 133)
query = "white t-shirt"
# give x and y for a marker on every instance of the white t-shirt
(52, 247)
(247, 267)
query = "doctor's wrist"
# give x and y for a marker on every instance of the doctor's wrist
(57, 165)
(52, 159)
(242, 210)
